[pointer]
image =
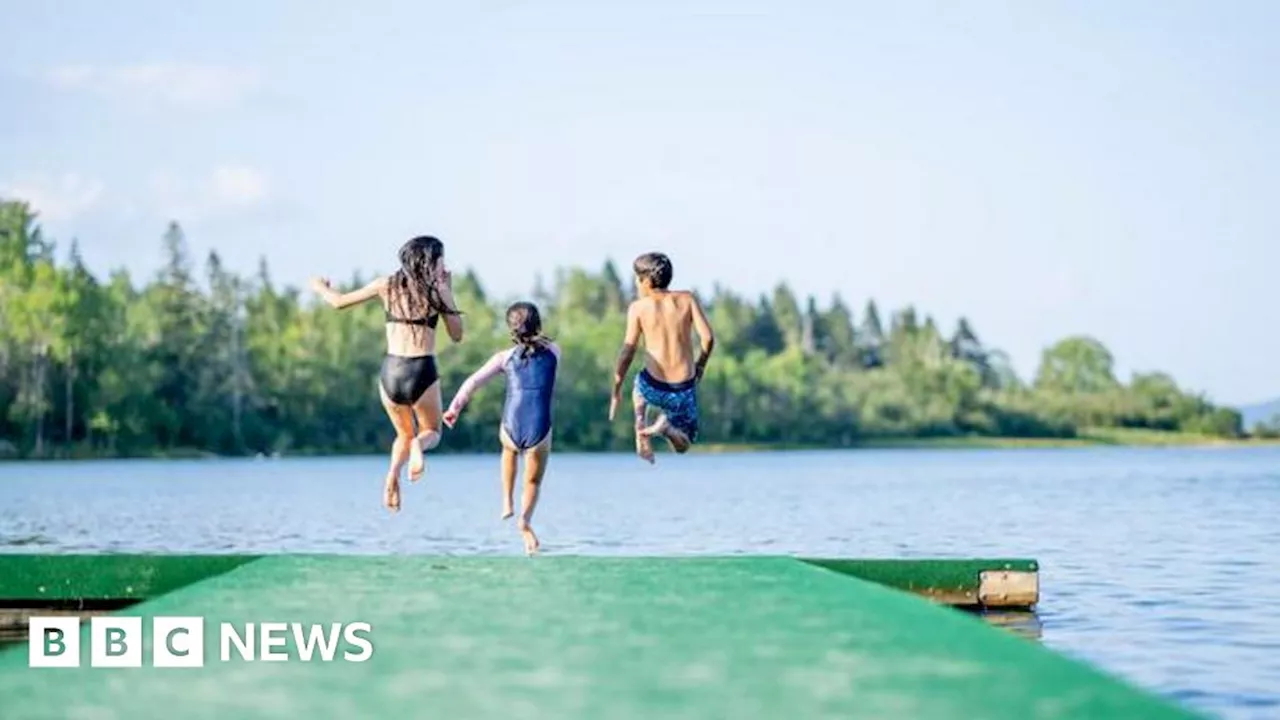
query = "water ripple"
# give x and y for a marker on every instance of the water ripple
(1157, 565)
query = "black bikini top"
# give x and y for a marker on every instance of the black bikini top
(430, 320)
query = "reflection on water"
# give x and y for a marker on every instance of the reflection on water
(1158, 565)
(1023, 623)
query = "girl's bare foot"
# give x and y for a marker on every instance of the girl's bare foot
(644, 448)
(531, 544)
(391, 494)
(417, 462)
(507, 511)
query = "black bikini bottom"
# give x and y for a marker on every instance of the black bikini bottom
(405, 378)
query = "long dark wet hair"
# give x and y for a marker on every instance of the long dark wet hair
(525, 323)
(413, 287)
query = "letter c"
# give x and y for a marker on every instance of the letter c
(168, 642)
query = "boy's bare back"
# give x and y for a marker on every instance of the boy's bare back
(667, 321)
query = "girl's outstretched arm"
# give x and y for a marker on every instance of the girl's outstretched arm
(452, 321)
(341, 301)
(490, 370)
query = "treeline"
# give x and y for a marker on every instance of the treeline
(200, 359)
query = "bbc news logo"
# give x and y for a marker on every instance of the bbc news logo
(179, 642)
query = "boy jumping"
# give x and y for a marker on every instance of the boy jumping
(667, 320)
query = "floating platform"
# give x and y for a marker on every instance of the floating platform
(566, 637)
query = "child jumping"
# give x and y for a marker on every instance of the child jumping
(666, 319)
(525, 430)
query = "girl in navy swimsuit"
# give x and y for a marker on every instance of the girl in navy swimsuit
(530, 369)
(414, 299)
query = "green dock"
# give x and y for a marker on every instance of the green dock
(564, 637)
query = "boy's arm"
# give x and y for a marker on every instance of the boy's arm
(703, 327)
(341, 301)
(490, 370)
(625, 356)
(628, 352)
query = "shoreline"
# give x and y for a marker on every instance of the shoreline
(1092, 439)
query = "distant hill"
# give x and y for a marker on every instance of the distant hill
(1254, 414)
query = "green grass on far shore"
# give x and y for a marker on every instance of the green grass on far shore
(1093, 437)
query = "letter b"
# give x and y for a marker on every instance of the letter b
(53, 642)
(115, 642)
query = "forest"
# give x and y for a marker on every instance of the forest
(198, 360)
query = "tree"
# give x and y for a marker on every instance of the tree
(178, 315)
(812, 332)
(966, 347)
(871, 337)
(838, 341)
(764, 333)
(1077, 364)
(786, 314)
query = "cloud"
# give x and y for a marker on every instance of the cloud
(57, 199)
(225, 191)
(239, 185)
(173, 84)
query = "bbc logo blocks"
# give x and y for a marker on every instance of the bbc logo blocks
(116, 642)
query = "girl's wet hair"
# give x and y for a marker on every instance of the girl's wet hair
(413, 286)
(525, 323)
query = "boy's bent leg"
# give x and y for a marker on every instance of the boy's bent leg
(680, 441)
(644, 446)
(683, 431)
(678, 422)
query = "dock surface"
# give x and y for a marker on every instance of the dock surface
(560, 637)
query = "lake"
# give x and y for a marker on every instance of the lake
(1158, 565)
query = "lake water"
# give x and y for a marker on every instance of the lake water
(1158, 565)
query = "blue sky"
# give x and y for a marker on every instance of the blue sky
(1043, 168)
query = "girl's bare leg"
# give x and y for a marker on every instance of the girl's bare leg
(644, 446)
(402, 419)
(510, 458)
(535, 467)
(427, 410)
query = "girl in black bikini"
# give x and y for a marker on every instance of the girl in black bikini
(414, 298)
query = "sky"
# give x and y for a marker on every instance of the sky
(1045, 169)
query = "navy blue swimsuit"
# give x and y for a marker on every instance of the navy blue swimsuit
(531, 383)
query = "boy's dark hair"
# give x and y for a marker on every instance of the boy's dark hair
(654, 267)
(525, 323)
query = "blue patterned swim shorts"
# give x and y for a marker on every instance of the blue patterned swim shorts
(679, 401)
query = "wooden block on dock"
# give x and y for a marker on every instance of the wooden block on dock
(989, 583)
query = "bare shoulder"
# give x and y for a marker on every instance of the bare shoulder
(686, 300)
(640, 307)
